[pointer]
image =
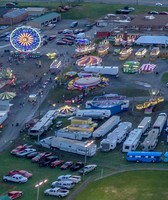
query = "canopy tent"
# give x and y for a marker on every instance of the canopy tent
(89, 60)
(162, 40)
(7, 95)
(147, 67)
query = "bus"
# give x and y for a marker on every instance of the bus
(141, 156)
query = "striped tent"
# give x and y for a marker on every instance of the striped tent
(147, 67)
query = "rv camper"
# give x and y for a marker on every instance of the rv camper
(132, 142)
(116, 136)
(43, 124)
(145, 124)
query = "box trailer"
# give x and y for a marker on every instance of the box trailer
(83, 148)
(105, 70)
(151, 141)
(74, 135)
(94, 113)
(116, 136)
(145, 124)
(106, 127)
(132, 142)
(160, 122)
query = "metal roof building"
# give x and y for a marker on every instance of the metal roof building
(15, 13)
(36, 11)
(44, 20)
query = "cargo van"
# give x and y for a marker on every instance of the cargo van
(74, 24)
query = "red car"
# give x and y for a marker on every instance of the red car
(56, 163)
(41, 156)
(20, 148)
(66, 165)
(15, 194)
(21, 172)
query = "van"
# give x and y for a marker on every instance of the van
(74, 24)
(63, 184)
(58, 124)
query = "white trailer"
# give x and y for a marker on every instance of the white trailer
(74, 135)
(74, 146)
(105, 70)
(116, 136)
(106, 127)
(94, 113)
(43, 124)
(145, 124)
(3, 116)
(151, 140)
(132, 142)
(160, 122)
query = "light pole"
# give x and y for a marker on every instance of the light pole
(86, 151)
(38, 187)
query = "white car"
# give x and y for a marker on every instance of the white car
(159, 4)
(87, 168)
(25, 152)
(69, 177)
(58, 192)
(17, 178)
(63, 184)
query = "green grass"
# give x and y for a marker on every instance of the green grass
(164, 78)
(90, 11)
(134, 185)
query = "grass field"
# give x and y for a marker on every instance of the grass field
(134, 185)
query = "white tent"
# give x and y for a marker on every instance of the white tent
(162, 40)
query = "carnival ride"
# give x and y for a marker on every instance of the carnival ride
(125, 53)
(89, 60)
(25, 39)
(7, 77)
(66, 111)
(147, 68)
(141, 53)
(151, 103)
(87, 82)
(103, 48)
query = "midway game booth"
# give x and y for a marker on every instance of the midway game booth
(103, 48)
(147, 68)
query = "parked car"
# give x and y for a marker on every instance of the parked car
(60, 42)
(56, 163)
(65, 31)
(68, 38)
(14, 194)
(159, 4)
(58, 192)
(32, 155)
(69, 177)
(153, 12)
(76, 166)
(47, 160)
(51, 37)
(41, 156)
(87, 169)
(63, 184)
(17, 178)
(25, 152)
(66, 165)
(60, 31)
(21, 172)
(129, 8)
(163, 13)
(74, 24)
(20, 148)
